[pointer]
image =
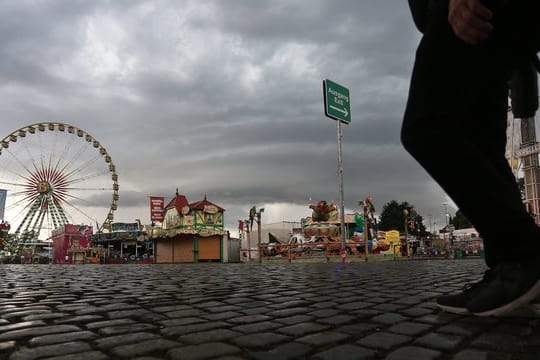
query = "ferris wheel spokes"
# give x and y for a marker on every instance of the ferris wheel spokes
(53, 179)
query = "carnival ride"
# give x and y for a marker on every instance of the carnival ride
(55, 174)
(323, 221)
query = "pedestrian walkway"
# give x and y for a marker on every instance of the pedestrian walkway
(374, 310)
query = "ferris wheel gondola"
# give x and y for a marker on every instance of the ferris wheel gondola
(56, 174)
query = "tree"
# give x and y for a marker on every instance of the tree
(460, 221)
(393, 218)
(420, 228)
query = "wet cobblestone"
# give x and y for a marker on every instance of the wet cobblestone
(374, 310)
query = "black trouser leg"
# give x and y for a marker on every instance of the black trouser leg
(454, 126)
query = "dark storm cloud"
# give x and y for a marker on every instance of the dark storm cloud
(221, 98)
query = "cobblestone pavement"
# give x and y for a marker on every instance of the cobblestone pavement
(374, 310)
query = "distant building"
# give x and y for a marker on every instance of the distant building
(191, 232)
(465, 233)
(468, 240)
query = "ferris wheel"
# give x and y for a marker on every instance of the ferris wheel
(55, 174)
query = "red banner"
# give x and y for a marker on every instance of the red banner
(156, 208)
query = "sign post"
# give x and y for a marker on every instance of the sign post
(337, 106)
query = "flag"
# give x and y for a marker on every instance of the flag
(3, 195)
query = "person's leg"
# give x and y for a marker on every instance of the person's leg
(454, 126)
(476, 175)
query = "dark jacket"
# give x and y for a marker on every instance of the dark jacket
(420, 10)
(524, 83)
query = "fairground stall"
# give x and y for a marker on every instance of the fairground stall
(68, 242)
(125, 243)
(191, 232)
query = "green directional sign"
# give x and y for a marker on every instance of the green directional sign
(337, 104)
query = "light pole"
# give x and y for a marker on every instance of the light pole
(248, 237)
(446, 238)
(255, 215)
(406, 224)
(446, 214)
(369, 219)
(365, 229)
(154, 257)
(261, 210)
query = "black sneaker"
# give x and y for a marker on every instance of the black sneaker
(457, 303)
(514, 285)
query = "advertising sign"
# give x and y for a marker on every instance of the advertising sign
(156, 208)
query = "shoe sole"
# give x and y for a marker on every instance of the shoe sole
(525, 311)
(524, 299)
(454, 310)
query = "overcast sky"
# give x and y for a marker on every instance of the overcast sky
(223, 98)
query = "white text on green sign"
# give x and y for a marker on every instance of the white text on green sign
(337, 102)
